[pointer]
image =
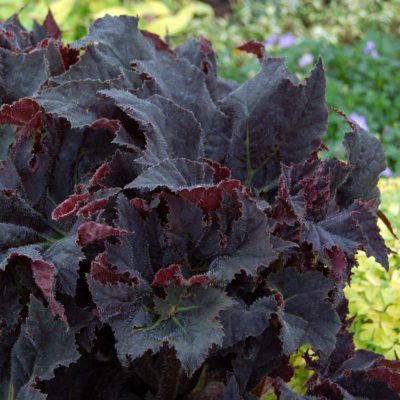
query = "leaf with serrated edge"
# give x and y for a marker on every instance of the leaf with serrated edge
(306, 316)
(43, 345)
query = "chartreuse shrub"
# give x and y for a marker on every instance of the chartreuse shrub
(374, 293)
(166, 234)
(75, 16)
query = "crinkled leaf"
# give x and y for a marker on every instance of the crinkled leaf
(176, 174)
(44, 276)
(164, 124)
(76, 101)
(170, 81)
(51, 26)
(248, 245)
(15, 209)
(6, 139)
(98, 62)
(12, 235)
(31, 252)
(136, 331)
(21, 75)
(254, 319)
(91, 231)
(264, 133)
(109, 31)
(132, 253)
(348, 230)
(256, 359)
(42, 346)
(24, 112)
(201, 54)
(185, 226)
(367, 160)
(54, 60)
(27, 392)
(306, 315)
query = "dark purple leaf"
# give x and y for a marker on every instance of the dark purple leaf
(306, 315)
(43, 345)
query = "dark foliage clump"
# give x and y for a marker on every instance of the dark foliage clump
(166, 234)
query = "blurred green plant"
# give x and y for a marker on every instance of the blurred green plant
(75, 16)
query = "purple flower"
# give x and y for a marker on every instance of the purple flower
(387, 172)
(360, 120)
(272, 40)
(286, 40)
(370, 49)
(305, 60)
(374, 54)
(387, 130)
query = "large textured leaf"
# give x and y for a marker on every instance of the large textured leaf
(98, 62)
(65, 255)
(264, 133)
(12, 235)
(306, 316)
(15, 209)
(248, 245)
(201, 54)
(186, 226)
(21, 75)
(136, 332)
(170, 80)
(176, 174)
(76, 101)
(109, 31)
(347, 230)
(367, 160)
(196, 323)
(44, 276)
(256, 359)
(164, 124)
(254, 319)
(42, 346)
(30, 252)
(132, 253)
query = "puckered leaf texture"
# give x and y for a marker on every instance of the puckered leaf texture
(167, 234)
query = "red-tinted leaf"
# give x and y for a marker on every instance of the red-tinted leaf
(253, 47)
(92, 208)
(168, 276)
(209, 199)
(24, 112)
(45, 277)
(158, 43)
(69, 55)
(172, 275)
(90, 232)
(100, 174)
(338, 262)
(69, 206)
(51, 26)
(104, 272)
(388, 372)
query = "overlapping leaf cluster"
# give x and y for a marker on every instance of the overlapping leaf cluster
(167, 234)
